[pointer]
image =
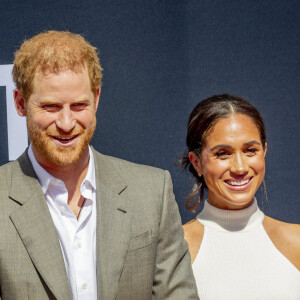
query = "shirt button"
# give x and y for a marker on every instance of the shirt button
(84, 286)
(62, 208)
(79, 245)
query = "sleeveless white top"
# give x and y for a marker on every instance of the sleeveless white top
(237, 259)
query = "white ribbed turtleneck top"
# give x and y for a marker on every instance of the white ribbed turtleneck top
(237, 259)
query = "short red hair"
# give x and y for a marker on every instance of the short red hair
(55, 51)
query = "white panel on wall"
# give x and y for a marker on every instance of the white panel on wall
(16, 125)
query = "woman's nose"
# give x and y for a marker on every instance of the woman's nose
(239, 164)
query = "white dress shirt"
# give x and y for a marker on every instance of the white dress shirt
(77, 238)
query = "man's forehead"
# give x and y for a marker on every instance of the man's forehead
(41, 73)
(75, 81)
(49, 74)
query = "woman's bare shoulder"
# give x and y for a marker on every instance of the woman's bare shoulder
(193, 230)
(191, 225)
(193, 234)
(282, 230)
(286, 238)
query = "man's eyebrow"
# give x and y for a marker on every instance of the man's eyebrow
(83, 99)
(253, 142)
(47, 100)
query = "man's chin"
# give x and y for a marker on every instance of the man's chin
(59, 157)
(50, 153)
(66, 158)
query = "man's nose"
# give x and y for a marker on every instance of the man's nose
(239, 164)
(66, 120)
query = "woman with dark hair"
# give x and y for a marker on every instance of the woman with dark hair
(237, 252)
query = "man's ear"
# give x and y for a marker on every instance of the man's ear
(196, 162)
(20, 103)
(97, 97)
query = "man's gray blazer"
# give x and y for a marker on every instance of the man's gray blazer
(141, 253)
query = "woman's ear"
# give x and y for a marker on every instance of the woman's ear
(20, 103)
(196, 162)
(265, 150)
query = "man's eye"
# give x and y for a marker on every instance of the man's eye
(50, 107)
(79, 105)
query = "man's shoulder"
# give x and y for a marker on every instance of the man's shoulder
(6, 169)
(6, 174)
(19, 169)
(129, 168)
(126, 163)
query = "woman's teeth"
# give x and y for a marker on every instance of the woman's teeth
(238, 182)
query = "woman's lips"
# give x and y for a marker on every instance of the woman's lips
(238, 185)
(65, 141)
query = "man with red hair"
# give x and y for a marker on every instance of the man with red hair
(76, 224)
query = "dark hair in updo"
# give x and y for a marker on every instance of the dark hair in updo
(202, 119)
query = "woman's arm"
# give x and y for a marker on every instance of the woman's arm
(286, 238)
(193, 234)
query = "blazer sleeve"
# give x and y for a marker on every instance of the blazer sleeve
(173, 277)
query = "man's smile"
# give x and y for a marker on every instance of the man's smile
(66, 141)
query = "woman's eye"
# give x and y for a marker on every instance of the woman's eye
(222, 154)
(251, 150)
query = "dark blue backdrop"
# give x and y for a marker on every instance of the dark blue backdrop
(160, 58)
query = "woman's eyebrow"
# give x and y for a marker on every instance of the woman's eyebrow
(253, 142)
(220, 146)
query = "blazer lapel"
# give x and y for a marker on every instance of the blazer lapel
(113, 227)
(35, 227)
